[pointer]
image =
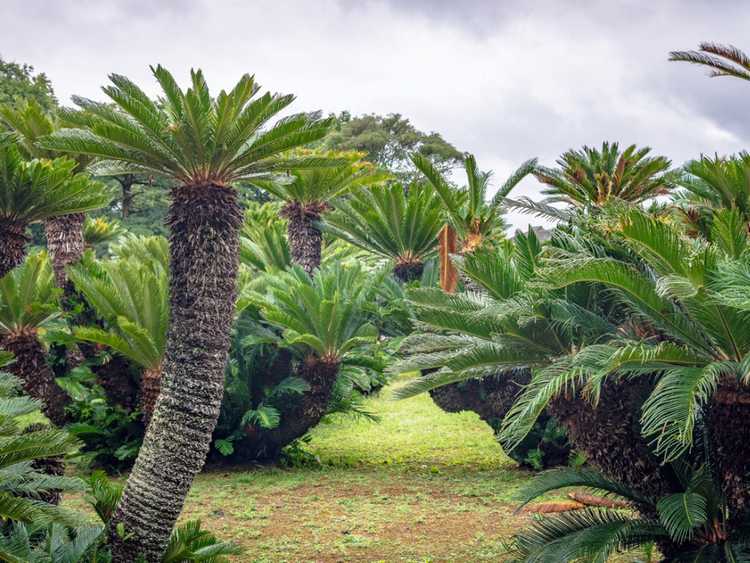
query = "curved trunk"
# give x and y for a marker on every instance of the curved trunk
(37, 377)
(204, 222)
(150, 386)
(13, 242)
(65, 244)
(306, 413)
(305, 239)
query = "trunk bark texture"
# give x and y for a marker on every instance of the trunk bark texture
(54, 466)
(13, 242)
(408, 271)
(150, 386)
(37, 377)
(305, 239)
(610, 435)
(204, 221)
(65, 244)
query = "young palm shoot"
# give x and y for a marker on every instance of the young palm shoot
(311, 193)
(28, 303)
(206, 144)
(38, 190)
(391, 224)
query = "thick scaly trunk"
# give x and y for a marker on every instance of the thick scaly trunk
(150, 385)
(204, 222)
(65, 244)
(306, 413)
(305, 239)
(727, 419)
(37, 377)
(406, 271)
(610, 436)
(13, 241)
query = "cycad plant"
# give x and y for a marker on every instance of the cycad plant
(64, 233)
(393, 223)
(23, 487)
(131, 295)
(590, 178)
(100, 231)
(206, 144)
(37, 190)
(323, 324)
(29, 303)
(469, 213)
(308, 194)
(691, 300)
(264, 246)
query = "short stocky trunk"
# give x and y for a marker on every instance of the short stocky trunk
(150, 385)
(65, 244)
(305, 239)
(37, 377)
(408, 271)
(12, 246)
(204, 223)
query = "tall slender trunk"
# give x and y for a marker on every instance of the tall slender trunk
(305, 239)
(37, 377)
(65, 244)
(13, 242)
(204, 222)
(126, 184)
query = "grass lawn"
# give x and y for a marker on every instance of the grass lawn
(421, 485)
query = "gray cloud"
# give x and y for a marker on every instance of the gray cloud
(505, 80)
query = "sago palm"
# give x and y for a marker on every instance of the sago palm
(131, 296)
(402, 227)
(323, 322)
(264, 246)
(38, 190)
(694, 298)
(206, 144)
(64, 233)
(590, 178)
(311, 193)
(470, 214)
(28, 303)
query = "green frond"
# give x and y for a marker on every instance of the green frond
(28, 295)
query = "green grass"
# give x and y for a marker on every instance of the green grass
(419, 486)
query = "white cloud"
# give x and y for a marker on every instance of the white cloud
(506, 82)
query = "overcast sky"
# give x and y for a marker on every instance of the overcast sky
(506, 80)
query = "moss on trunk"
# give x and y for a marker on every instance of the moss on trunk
(204, 221)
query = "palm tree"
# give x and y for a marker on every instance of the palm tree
(28, 303)
(132, 298)
(402, 227)
(323, 323)
(100, 231)
(723, 60)
(37, 190)
(206, 144)
(589, 179)
(64, 233)
(311, 193)
(469, 213)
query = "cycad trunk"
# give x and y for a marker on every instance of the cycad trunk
(65, 244)
(13, 242)
(305, 239)
(204, 223)
(406, 271)
(37, 377)
(150, 386)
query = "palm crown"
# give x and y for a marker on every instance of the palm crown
(469, 212)
(394, 225)
(591, 178)
(28, 297)
(190, 135)
(723, 60)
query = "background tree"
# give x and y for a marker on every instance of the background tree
(206, 144)
(388, 142)
(18, 82)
